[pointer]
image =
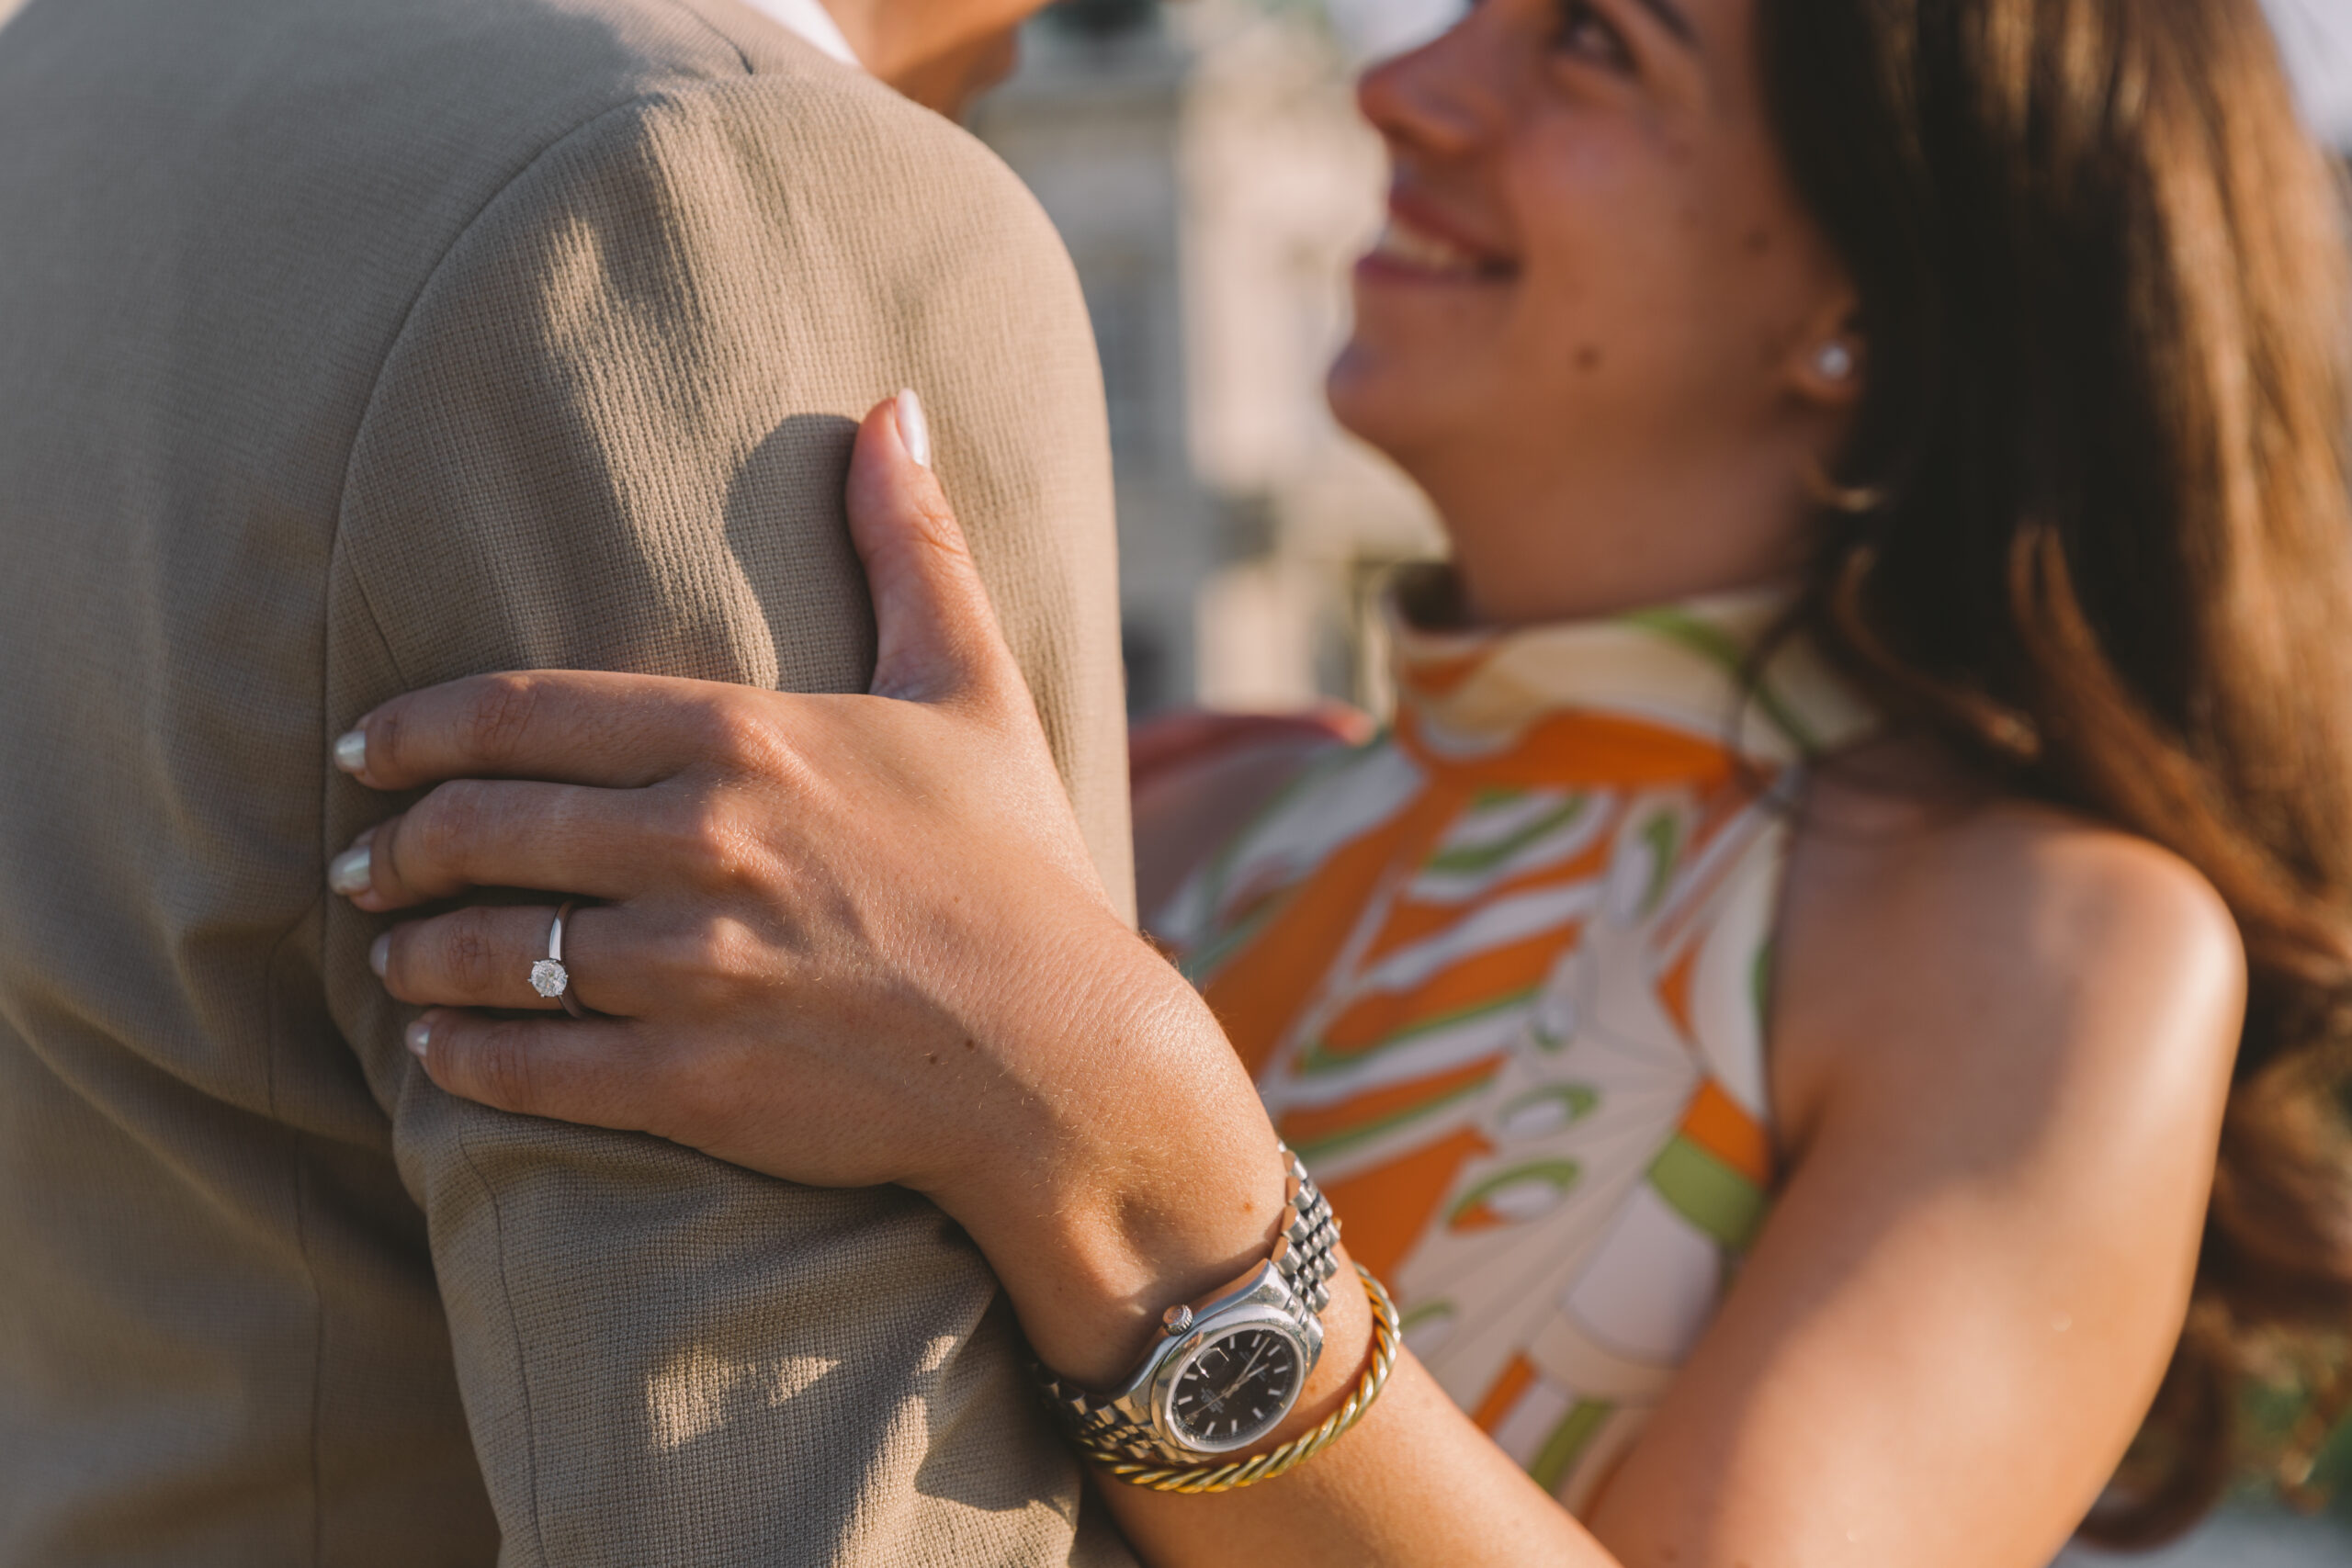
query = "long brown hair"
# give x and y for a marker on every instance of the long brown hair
(2094, 530)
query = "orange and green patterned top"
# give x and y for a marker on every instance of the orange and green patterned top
(1500, 976)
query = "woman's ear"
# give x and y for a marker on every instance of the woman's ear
(1829, 364)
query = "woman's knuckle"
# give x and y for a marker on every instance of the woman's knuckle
(505, 1068)
(496, 714)
(448, 822)
(388, 741)
(422, 846)
(469, 953)
(704, 837)
(936, 529)
(738, 737)
(710, 953)
(675, 824)
(678, 958)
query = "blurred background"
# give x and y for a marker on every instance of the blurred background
(1205, 162)
(1205, 165)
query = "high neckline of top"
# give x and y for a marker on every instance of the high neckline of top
(1726, 668)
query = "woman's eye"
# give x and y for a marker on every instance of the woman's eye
(1589, 35)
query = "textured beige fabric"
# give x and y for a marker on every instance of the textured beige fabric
(347, 345)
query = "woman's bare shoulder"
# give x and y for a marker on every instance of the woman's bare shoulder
(1943, 943)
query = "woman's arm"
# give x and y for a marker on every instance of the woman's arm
(2003, 1051)
(2002, 1045)
(853, 940)
(1197, 778)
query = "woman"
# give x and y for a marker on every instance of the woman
(1879, 757)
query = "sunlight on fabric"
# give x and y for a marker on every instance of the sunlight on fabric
(698, 1392)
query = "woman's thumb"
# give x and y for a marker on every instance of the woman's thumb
(937, 633)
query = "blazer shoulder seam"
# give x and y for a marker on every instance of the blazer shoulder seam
(635, 103)
(742, 56)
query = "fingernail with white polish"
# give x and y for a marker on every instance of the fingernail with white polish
(348, 873)
(351, 751)
(420, 1035)
(913, 428)
(379, 955)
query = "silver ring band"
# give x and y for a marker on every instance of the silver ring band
(549, 976)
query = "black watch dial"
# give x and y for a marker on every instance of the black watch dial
(1238, 1390)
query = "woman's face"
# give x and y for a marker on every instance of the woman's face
(1594, 328)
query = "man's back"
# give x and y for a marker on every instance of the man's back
(348, 345)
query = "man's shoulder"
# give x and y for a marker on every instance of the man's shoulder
(795, 168)
(713, 106)
(792, 119)
(340, 164)
(407, 112)
(587, 75)
(361, 71)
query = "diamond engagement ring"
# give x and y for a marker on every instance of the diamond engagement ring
(549, 976)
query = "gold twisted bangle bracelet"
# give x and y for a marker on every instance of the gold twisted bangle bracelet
(1387, 1335)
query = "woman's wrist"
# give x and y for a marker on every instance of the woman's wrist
(1144, 1176)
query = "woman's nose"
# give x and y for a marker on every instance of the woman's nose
(1438, 98)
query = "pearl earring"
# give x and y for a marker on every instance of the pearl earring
(1835, 360)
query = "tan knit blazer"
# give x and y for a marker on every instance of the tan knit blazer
(350, 345)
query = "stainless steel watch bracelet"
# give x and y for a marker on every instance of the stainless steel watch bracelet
(1306, 1251)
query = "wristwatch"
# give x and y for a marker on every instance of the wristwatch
(1224, 1374)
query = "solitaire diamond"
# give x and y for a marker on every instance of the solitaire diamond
(549, 979)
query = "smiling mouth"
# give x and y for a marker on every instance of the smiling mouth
(1405, 248)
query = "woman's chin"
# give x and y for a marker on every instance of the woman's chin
(1400, 412)
(1382, 403)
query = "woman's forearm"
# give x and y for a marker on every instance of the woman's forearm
(1133, 1169)
(1413, 1485)
(1162, 1184)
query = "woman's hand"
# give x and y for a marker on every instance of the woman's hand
(843, 940)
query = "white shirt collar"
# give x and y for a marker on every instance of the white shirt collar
(814, 24)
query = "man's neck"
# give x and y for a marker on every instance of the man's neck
(942, 73)
(941, 55)
(814, 23)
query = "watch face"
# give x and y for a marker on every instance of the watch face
(1237, 1390)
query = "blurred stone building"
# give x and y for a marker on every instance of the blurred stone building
(1208, 172)
(2316, 38)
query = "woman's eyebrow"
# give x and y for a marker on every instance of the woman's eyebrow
(1672, 18)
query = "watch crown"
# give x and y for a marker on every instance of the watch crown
(1175, 1320)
